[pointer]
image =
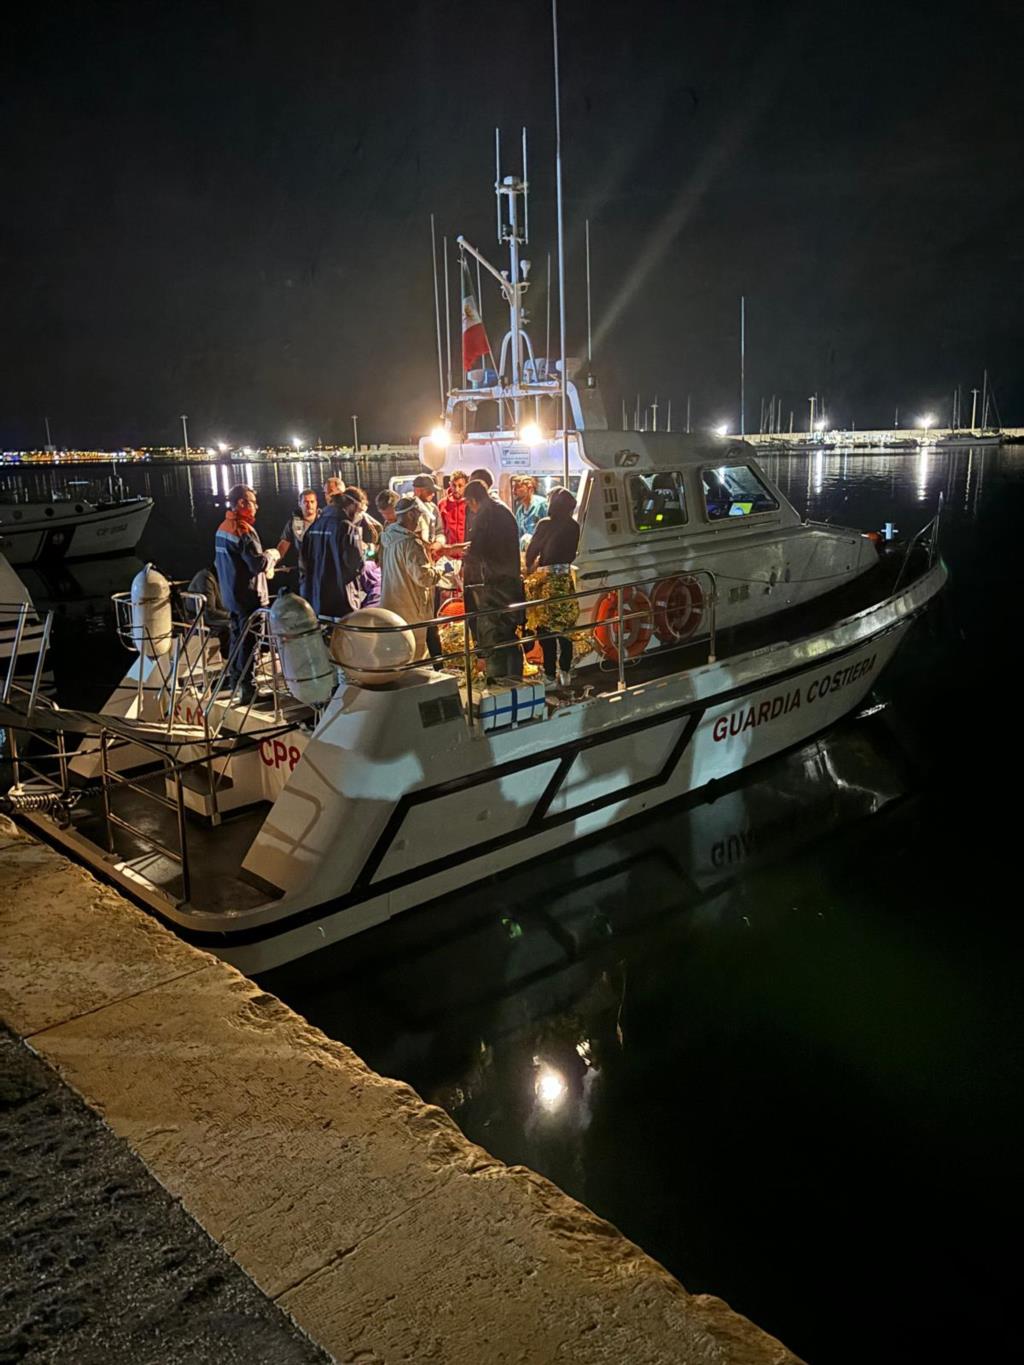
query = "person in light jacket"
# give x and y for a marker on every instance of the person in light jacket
(408, 575)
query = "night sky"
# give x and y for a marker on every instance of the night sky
(224, 210)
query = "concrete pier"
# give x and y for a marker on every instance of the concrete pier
(361, 1211)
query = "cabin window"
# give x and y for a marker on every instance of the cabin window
(658, 501)
(735, 491)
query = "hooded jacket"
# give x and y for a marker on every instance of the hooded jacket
(407, 578)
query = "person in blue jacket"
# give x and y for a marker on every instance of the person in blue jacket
(333, 554)
(242, 563)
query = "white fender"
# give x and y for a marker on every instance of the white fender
(308, 673)
(152, 627)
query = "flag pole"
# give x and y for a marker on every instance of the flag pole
(561, 245)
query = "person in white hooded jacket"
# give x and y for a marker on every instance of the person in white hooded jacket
(408, 576)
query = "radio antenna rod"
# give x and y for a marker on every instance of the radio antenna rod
(437, 311)
(561, 245)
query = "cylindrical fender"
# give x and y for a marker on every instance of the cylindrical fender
(305, 663)
(152, 625)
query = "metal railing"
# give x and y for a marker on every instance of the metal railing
(613, 623)
(931, 530)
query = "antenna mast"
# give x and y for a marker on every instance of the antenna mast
(743, 362)
(590, 349)
(561, 244)
(437, 310)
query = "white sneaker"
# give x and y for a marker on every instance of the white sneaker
(564, 678)
(550, 680)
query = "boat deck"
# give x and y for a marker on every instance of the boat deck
(215, 853)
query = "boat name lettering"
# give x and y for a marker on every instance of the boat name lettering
(276, 754)
(750, 717)
(111, 530)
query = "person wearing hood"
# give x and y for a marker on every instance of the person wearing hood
(333, 556)
(408, 575)
(554, 543)
(241, 565)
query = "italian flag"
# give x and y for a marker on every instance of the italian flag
(474, 338)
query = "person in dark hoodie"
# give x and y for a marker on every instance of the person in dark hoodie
(555, 542)
(492, 579)
(333, 555)
(241, 564)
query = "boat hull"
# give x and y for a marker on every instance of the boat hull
(447, 818)
(72, 535)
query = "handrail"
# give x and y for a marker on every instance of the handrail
(465, 655)
(932, 526)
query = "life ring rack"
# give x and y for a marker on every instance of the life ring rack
(678, 608)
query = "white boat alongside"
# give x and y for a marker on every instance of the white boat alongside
(22, 633)
(714, 628)
(72, 528)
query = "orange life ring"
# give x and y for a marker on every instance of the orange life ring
(453, 607)
(678, 608)
(635, 630)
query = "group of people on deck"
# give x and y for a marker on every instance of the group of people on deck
(347, 559)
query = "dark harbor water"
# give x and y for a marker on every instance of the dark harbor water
(774, 1038)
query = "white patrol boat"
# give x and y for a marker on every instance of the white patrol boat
(712, 628)
(72, 527)
(22, 631)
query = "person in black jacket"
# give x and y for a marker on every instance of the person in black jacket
(555, 541)
(333, 556)
(492, 578)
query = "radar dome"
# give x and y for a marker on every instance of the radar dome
(373, 658)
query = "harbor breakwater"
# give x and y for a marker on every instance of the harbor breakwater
(360, 1210)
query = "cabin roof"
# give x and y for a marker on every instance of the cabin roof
(661, 449)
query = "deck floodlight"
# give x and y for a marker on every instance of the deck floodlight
(927, 421)
(722, 429)
(531, 434)
(439, 437)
